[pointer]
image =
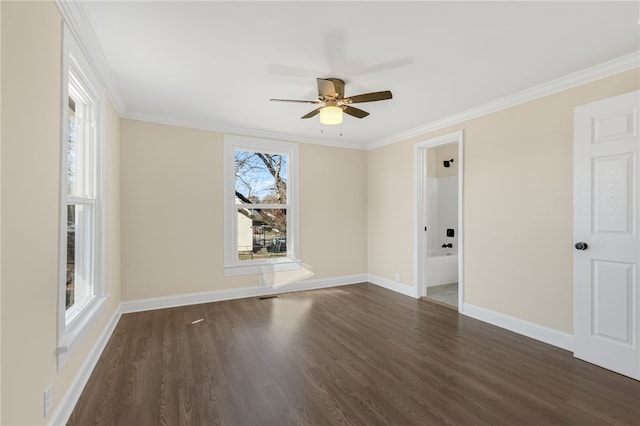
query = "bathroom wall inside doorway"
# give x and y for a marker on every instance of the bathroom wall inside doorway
(442, 199)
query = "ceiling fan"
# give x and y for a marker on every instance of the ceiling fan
(331, 97)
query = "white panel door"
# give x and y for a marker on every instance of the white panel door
(606, 285)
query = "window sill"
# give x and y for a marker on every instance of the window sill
(77, 328)
(260, 267)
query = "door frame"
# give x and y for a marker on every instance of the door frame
(420, 185)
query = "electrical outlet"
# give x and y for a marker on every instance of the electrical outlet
(48, 399)
(260, 280)
(397, 277)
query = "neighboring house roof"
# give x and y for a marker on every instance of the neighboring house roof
(241, 199)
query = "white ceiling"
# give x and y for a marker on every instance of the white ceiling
(215, 65)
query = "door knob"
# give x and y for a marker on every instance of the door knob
(581, 246)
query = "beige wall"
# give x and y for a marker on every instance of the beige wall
(333, 210)
(31, 55)
(173, 217)
(518, 205)
(390, 212)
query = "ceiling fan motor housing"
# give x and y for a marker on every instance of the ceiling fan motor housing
(328, 91)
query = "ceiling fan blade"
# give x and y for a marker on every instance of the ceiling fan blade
(295, 100)
(356, 112)
(369, 97)
(312, 113)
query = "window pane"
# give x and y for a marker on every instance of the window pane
(79, 261)
(81, 155)
(262, 233)
(260, 178)
(72, 175)
(71, 254)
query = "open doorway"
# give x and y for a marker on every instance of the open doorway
(439, 210)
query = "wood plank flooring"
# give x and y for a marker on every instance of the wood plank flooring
(355, 355)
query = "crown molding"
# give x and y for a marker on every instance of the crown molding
(606, 69)
(238, 131)
(75, 16)
(76, 19)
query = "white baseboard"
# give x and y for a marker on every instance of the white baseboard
(544, 334)
(62, 413)
(407, 290)
(140, 305)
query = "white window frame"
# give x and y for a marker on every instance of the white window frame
(233, 266)
(73, 322)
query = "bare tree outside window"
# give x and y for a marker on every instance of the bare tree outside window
(261, 189)
(261, 177)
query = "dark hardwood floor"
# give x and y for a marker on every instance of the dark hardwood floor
(358, 354)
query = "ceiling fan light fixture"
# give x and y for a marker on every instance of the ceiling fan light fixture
(331, 115)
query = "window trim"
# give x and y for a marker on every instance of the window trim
(70, 328)
(233, 266)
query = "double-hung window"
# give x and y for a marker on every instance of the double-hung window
(261, 205)
(81, 224)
